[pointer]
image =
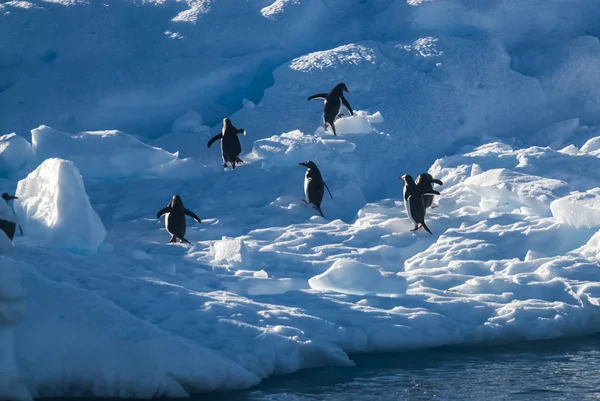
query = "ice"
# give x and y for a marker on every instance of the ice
(231, 253)
(352, 277)
(580, 210)
(101, 154)
(55, 210)
(496, 99)
(15, 153)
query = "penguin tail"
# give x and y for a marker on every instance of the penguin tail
(426, 228)
(184, 241)
(320, 211)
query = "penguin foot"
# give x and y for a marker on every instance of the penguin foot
(417, 226)
(238, 160)
(340, 115)
(225, 165)
(173, 239)
(434, 206)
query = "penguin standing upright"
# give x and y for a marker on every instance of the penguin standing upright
(175, 219)
(331, 107)
(230, 143)
(8, 218)
(413, 201)
(314, 186)
(425, 183)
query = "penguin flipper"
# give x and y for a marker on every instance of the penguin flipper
(241, 131)
(318, 96)
(436, 181)
(328, 190)
(192, 215)
(345, 102)
(214, 139)
(162, 211)
(432, 192)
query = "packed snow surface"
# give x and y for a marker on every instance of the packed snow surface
(106, 118)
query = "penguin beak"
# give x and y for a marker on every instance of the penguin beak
(302, 164)
(436, 181)
(11, 197)
(401, 177)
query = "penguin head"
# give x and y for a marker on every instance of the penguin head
(176, 201)
(308, 164)
(425, 178)
(8, 197)
(407, 179)
(341, 87)
(226, 122)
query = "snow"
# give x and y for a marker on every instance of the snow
(107, 119)
(55, 208)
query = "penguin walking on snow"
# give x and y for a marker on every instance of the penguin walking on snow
(230, 143)
(413, 201)
(175, 219)
(8, 218)
(314, 186)
(331, 107)
(425, 184)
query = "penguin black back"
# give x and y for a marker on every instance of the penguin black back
(9, 227)
(331, 106)
(425, 184)
(413, 201)
(175, 219)
(314, 186)
(230, 143)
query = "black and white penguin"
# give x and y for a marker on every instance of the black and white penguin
(8, 218)
(230, 143)
(331, 107)
(413, 201)
(175, 219)
(425, 183)
(314, 186)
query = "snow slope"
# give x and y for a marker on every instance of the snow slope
(113, 110)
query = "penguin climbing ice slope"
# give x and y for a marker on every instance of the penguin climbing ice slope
(331, 106)
(8, 218)
(175, 219)
(413, 201)
(314, 186)
(425, 183)
(230, 143)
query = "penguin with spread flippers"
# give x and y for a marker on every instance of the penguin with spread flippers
(314, 186)
(425, 184)
(175, 219)
(413, 201)
(331, 107)
(8, 218)
(230, 143)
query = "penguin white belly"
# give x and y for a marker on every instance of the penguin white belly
(306, 182)
(167, 222)
(408, 211)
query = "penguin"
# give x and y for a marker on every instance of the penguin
(425, 183)
(413, 201)
(175, 219)
(331, 107)
(230, 143)
(8, 218)
(314, 186)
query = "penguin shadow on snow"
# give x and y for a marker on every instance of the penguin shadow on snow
(417, 197)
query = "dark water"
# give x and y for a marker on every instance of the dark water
(545, 370)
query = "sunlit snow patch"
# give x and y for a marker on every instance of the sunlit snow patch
(352, 277)
(580, 209)
(15, 153)
(55, 210)
(232, 253)
(99, 154)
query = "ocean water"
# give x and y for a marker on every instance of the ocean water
(543, 370)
